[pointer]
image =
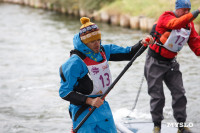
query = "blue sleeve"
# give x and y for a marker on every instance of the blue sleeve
(72, 70)
(114, 49)
(118, 53)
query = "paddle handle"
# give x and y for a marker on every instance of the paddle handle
(147, 39)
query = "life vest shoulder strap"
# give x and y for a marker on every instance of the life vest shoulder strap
(86, 59)
(156, 35)
(80, 54)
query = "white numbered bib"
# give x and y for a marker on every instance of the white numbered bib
(101, 77)
(177, 39)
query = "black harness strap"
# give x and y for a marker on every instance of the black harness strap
(80, 111)
(61, 74)
(81, 55)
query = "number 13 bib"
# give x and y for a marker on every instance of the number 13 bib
(100, 75)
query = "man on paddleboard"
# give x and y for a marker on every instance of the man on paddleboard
(171, 32)
(85, 76)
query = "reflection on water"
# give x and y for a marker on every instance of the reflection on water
(33, 45)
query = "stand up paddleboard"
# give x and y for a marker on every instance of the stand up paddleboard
(138, 126)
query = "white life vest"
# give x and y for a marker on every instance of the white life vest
(177, 39)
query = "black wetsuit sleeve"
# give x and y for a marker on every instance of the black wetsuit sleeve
(195, 13)
(75, 98)
(126, 56)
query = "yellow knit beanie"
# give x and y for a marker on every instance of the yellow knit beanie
(89, 31)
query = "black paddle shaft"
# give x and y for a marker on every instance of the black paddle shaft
(140, 51)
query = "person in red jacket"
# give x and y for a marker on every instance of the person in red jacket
(171, 32)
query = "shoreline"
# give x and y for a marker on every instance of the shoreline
(142, 23)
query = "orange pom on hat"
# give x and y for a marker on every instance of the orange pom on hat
(89, 31)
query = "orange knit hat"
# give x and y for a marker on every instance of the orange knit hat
(89, 31)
